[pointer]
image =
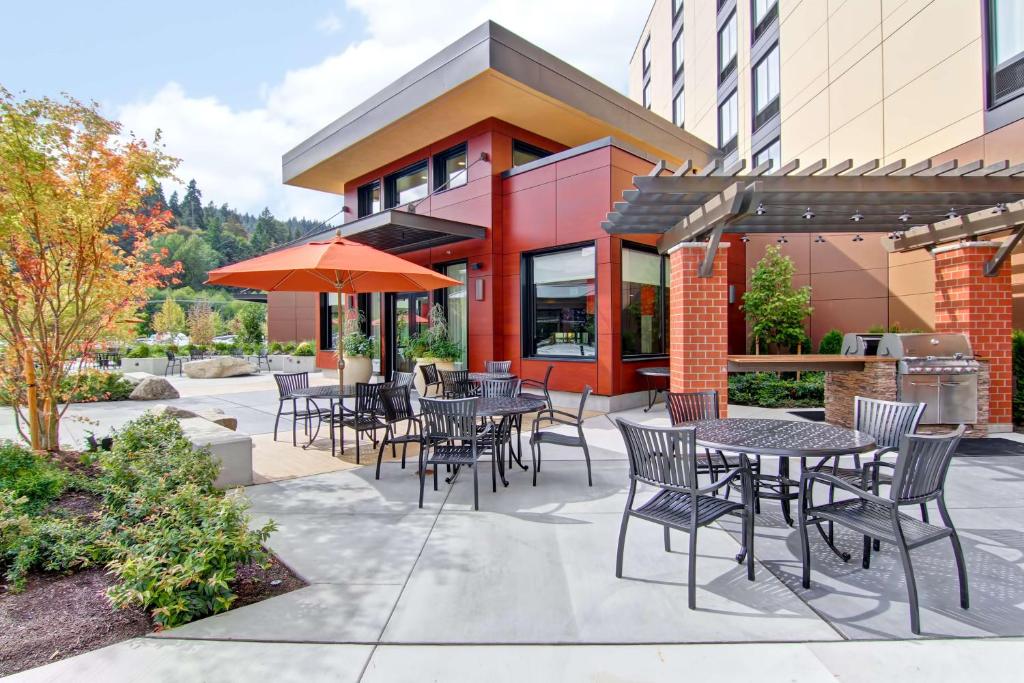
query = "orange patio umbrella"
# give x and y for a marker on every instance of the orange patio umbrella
(340, 265)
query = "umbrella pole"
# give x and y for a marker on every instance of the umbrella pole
(341, 344)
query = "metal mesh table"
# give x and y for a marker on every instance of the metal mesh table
(481, 376)
(649, 375)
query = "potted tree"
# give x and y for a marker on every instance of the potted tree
(433, 346)
(357, 349)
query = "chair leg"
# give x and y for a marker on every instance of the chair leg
(533, 457)
(805, 544)
(908, 570)
(423, 476)
(476, 488)
(866, 559)
(668, 541)
(748, 517)
(277, 418)
(691, 572)
(294, 424)
(586, 454)
(958, 554)
(495, 456)
(405, 445)
(380, 453)
(622, 541)
(924, 512)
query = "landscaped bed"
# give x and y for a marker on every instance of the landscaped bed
(97, 548)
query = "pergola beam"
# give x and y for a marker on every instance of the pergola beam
(718, 209)
(1005, 249)
(964, 227)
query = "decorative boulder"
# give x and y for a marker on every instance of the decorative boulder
(153, 389)
(214, 415)
(221, 366)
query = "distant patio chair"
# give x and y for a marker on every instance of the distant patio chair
(431, 379)
(450, 437)
(172, 363)
(703, 405)
(286, 384)
(366, 417)
(538, 384)
(456, 384)
(666, 458)
(396, 406)
(497, 366)
(262, 360)
(919, 476)
(560, 417)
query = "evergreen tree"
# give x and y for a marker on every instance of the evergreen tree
(192, 206)
(174, 205)
(267, 232)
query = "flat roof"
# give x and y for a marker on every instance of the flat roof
(488, 73)
(398, 232)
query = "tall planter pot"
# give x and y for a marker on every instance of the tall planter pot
(418, 375)
(358, 369)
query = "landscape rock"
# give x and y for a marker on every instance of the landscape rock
(136, 377)
(154, 389)
(221, 366)
(214, 415)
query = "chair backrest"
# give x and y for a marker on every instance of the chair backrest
(430, 373)
(195, 354)
(661, 456)
(446, 419)
(289, 382)
(922, 465)
(497, 365)
(170, 356)
(367, 398)
(692, 406)
(395, 402)
(583, 404)
(454, 381)
(499, 387)
(403, 379)
(887, 421)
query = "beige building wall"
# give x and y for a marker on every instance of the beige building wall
(860, 79)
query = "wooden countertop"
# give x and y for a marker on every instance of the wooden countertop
(808, 361)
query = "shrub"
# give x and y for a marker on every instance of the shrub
(357, 344)
(832, 342)
(289, 348)
(30, 477)
(768, 390)
(304, 349)
(1018, 376)
(275, 347)
(90, 386)
(435, 342)
(252, 318)
(140, 350)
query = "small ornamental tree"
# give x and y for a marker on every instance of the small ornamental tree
(71, 193)
(170, 319)
(252, 318)
(776, 310)
(202, 323)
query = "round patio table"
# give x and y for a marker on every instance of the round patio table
(505, 408)
(480, 376)
(650, 375)
(785, 439)
(331, 392)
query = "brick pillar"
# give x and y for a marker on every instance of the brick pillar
(699, 319)
(982, 308)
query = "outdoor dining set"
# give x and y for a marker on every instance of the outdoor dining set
(700, 469)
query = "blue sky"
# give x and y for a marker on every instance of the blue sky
(233, 85)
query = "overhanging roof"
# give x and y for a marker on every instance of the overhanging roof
(488, 73)
(398, 232)
(898, 199)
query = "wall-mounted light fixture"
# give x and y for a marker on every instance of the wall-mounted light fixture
(479, 289)
(477, 266)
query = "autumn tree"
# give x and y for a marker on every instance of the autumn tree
(202, 323)
(170, 319)
(67, 177)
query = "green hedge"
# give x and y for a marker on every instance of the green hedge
(1018, 376)
(768, 390)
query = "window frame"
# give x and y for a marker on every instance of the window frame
(645, 56)
(727, 146)
(677, 66)
(362, 200)
(677, 8)
(990, 21)
(665, 266)
(439, 162)
(759, 26)
(679, 97)
(646, 94)
(777, 140)
(726, 69)
(527, 148)
(529, 308)
(390, 198)
(764, 114)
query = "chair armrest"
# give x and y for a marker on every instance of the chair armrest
(742, 472)
(808, 479)
(873, 466)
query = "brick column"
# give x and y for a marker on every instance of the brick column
(982, 308)
(699, 320)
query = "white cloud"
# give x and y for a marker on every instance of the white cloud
(329, 24)
(235, 154)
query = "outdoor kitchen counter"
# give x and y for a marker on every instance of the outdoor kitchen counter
(807, 361)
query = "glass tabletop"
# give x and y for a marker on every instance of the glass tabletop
(786, 438)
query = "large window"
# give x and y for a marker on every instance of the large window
(453, 299)
(766, 87)
(644, 302)
(647, 94)
(369, 198)
(406, 186)
(678, 46)
(646, 55)
(765, 12)
(772, 151)
(679, 109)
(524, 153)
(727, 47)
(728, 119)
(450, 168)
(560, 304)
(1006, 50)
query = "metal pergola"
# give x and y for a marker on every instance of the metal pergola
(916, 206)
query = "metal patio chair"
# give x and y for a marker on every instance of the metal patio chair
(365, 417)
(431, 379)
(538, 384)
(497, 366)
(499, 387)
(451, 438)
(172, 363)
(703, 405)
(918, 476)
(286, 384)
(666, 458)
(457, 384)
(402, 379)
(396, 407)
(578, 440)
(262, 360)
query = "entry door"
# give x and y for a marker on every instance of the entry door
(410, 316)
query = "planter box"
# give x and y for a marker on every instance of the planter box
(282, 363)
(152, 366)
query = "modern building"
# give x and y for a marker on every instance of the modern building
(868, 79)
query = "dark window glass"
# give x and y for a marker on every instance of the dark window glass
(646, 55)
(329, 319)
(773, 151)
(406, 186)
(644, 302)
(679, 109)
(450, 168)
(678, 47)
(647, 94)
(561, 304)
(369, 198)
(1006, 50)
(765, 12)
(766, 80)
(728, 114)
(524, 153)
(727, 47)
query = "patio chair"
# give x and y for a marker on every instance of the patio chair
(499, 387)
(666, 458)
(172, 363)
(196, 354)
(262, 360)
(396, 407)
(286, 384)
(366, 417)
(402, 379)
(431, 379)
(450, 437)
(703, 405)
(538, 384)
(497, 366)
(560, 417)
(456, 384)
(919, 476)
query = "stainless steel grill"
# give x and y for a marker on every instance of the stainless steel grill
(860, 344)
(938, 370)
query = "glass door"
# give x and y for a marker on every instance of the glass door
(410, 316)
(456, 309)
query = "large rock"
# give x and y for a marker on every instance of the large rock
(154, 389)
(221, 366)
(214, 415)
